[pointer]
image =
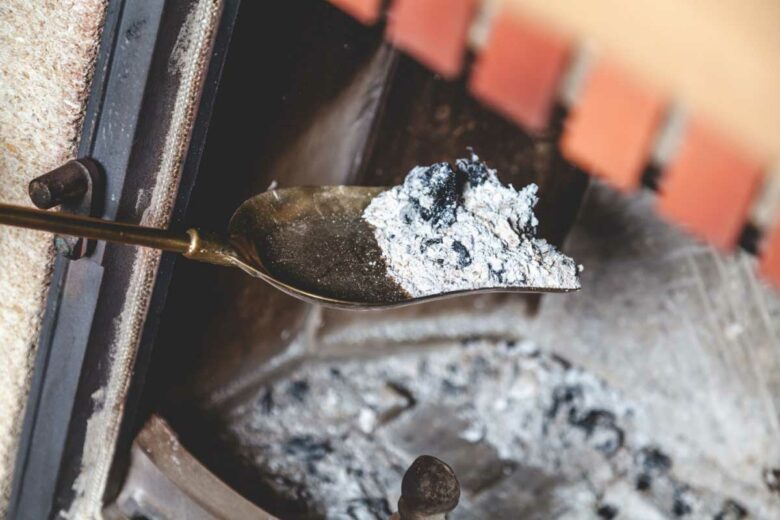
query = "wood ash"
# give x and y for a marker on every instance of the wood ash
(528, 434)
(458, 228)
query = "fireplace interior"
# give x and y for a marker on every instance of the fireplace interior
(545, 407)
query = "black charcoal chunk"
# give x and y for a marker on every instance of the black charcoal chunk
(607, 511)
(437, 185)
(464, 257)
(644, 482)
(475, 170)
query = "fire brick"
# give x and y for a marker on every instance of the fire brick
(518, 71)
(709, 186)
(611, 129)
(433, 31)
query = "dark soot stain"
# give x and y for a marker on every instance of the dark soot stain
(337, 257)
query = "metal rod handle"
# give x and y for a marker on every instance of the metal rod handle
(94, 228)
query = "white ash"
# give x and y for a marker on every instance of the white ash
(529, 435)
(449, 229)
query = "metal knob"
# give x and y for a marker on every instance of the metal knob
(429, 490)
(66, 183)
(77, 186)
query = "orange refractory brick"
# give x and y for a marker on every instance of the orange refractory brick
(769, 266)
(519, 69)
(365, 11)
(610, 131)
(433, 31)
(708, 187)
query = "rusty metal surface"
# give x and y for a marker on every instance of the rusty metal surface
(165, 482)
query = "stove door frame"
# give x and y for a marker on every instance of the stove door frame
(132, 84)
